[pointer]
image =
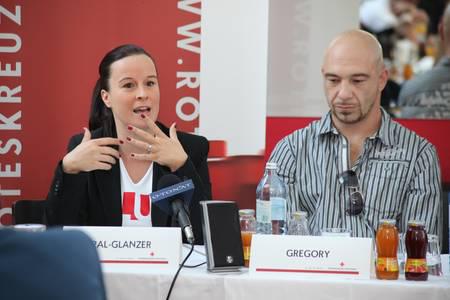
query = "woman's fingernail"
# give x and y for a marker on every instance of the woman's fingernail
(132, 154)
(120, 141)
(128, 139)
(129, 127)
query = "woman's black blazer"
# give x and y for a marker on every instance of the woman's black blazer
(94, 198)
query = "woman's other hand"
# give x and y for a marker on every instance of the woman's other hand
(89, 155)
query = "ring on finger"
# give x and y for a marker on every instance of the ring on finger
(149, 148)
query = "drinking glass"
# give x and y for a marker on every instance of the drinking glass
(434, 256)
(336, 232)
(401, 254)
(298, 223)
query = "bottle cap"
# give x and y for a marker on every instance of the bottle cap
(416, 223)
(246, 212)
(387, 222)
(299, 214)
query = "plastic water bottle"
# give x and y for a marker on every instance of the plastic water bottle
(271, 203)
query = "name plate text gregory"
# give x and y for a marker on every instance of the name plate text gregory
(307, 256)
(153, 246)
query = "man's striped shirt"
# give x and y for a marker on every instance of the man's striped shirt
(398, 173)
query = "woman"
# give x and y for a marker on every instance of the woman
(109, 171)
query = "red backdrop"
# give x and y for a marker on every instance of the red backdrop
(58, 45)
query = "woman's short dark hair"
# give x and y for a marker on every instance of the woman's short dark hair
(101, 115)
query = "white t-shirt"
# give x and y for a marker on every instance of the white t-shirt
(136, 203)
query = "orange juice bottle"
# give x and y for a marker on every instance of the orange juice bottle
(248, 228)
(387, 244)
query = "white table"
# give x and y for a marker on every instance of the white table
(132, 282)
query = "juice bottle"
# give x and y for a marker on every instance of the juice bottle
(416, 249)
(387, 243)
(248, 228)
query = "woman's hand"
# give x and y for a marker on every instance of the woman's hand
(91, 155)
(158, 147)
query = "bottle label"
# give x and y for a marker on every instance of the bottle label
(263, 211)
(416, 265)
(278, 208)
(387, 264)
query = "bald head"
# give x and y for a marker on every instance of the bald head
(354, 76)
(356, 44)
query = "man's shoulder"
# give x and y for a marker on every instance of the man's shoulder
(37, 258)
(51, 236)
(313, 129)
(426, 82)
(300, 137)
(404, 135)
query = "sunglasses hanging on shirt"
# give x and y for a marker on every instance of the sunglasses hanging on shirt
(349, 179)
(355, 203)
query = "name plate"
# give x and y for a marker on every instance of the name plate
(307, 256)
(157, 247)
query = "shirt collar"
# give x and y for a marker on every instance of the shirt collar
(326, 125)
(385, 132)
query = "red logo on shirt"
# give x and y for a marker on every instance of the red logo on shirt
(129, 203)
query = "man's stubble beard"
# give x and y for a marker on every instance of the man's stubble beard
(361, 116)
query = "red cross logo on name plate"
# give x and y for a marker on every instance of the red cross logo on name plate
(342, 264)
(152, 253)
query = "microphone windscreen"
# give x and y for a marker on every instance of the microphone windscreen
(167, 180)
(169, 188)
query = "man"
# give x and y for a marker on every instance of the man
(428, 94)
(49, 265)
(356, 166)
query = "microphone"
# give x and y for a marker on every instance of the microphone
(171, 196)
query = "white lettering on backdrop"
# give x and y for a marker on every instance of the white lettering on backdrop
(189, 79)
(10, 43)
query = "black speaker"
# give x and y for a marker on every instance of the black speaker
(222, 236)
